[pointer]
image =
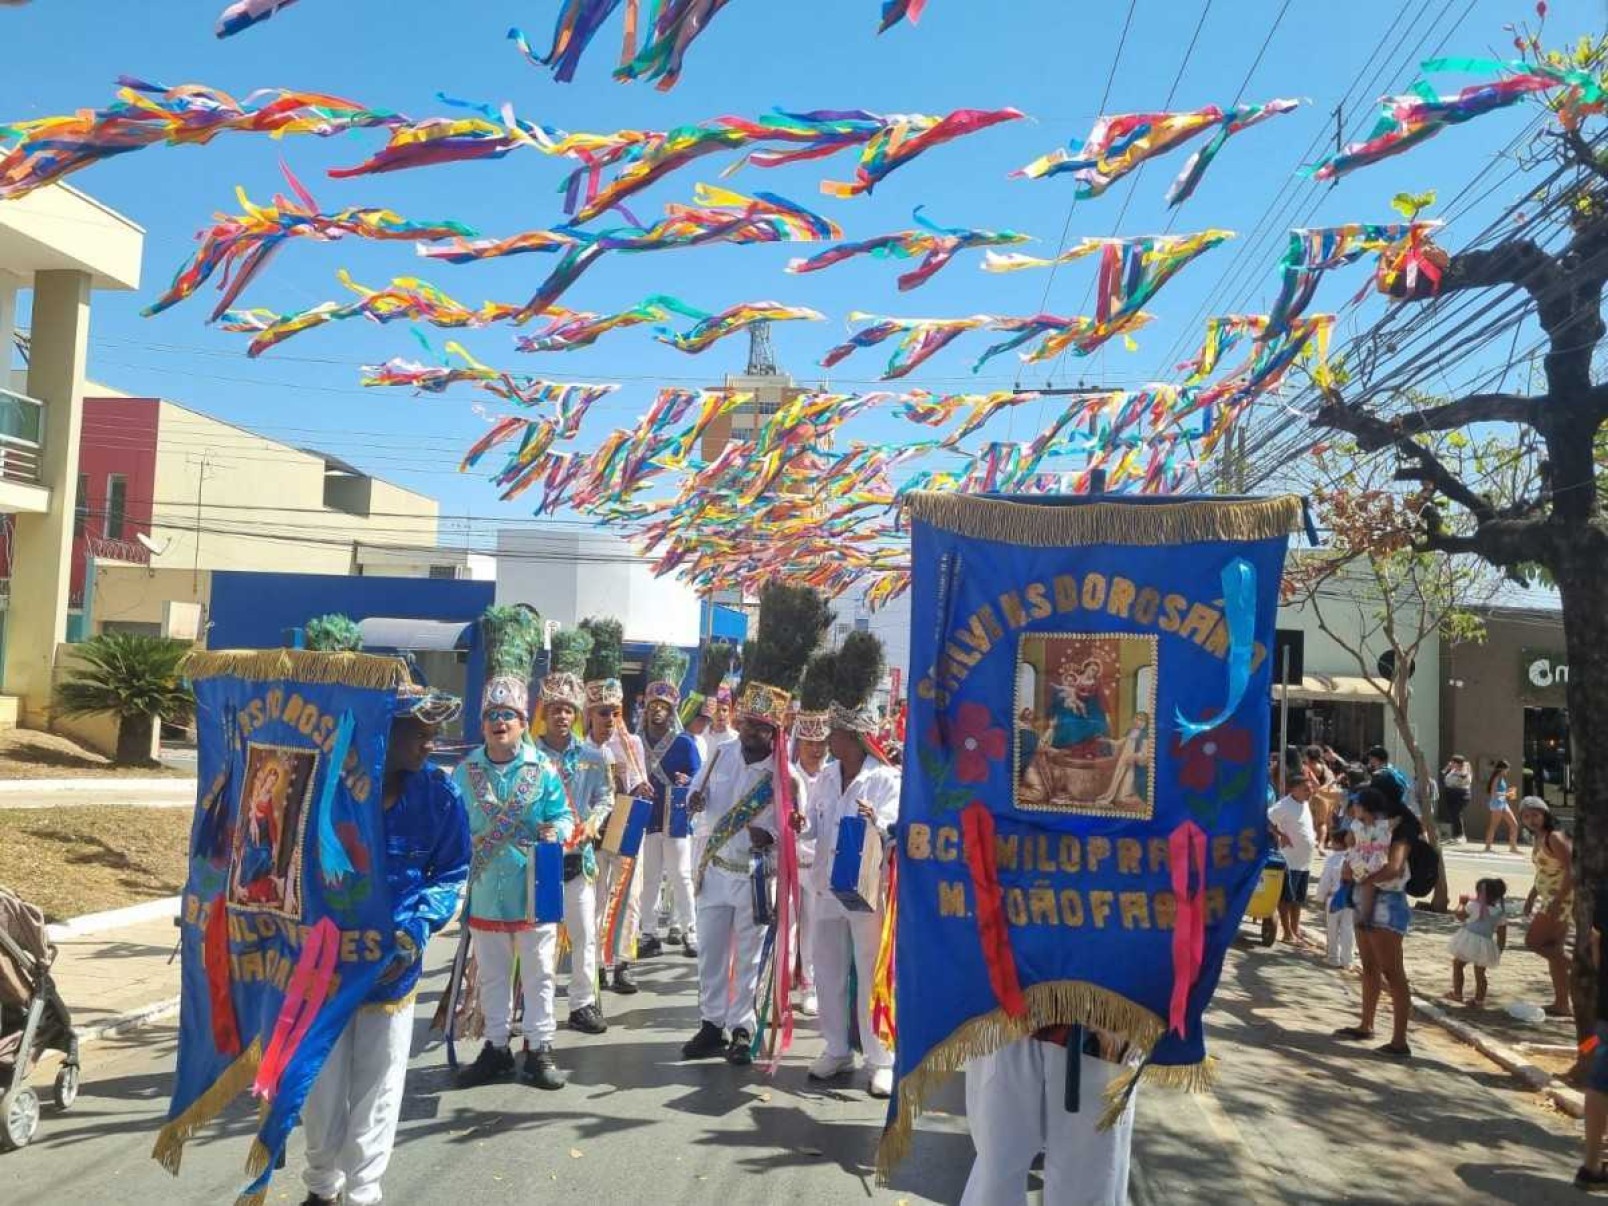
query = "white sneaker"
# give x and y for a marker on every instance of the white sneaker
(827, 1066)
(810, 1006)
(882, 1083)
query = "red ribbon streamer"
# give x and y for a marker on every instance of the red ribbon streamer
(305, 996)
(1186, 852)
(977, 830)
(787, 888)
(215, 959)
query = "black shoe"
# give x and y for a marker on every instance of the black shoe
(690, 947)
(314, 1199)
(673, 937)
(623, 983)
(540, 1071)
(650, 946)
(1592, 1180)
(588, 1020)
(493, 1063)
(740, 1053)
(709, 1042)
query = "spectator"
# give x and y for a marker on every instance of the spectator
(1379, 763)
(1327, 792)
(1291, 822)
(1499, 799)
(1591, 1176)
(1457, 778)
(1551, 899)
(1339, 918)
(1381, 925)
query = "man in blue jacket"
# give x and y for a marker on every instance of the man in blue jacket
(673, 760)
(515, 800)
(352, 1112)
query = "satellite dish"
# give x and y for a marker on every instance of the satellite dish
(1387, 665)
(151, 545)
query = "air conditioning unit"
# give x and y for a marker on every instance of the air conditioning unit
(181, 621)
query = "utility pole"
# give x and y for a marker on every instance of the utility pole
(202, 469)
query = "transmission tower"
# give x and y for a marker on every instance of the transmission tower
(761, 355)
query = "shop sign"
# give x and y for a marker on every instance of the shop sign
(1543, 669)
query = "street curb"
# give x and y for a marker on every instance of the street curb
(132, 1019)
(134, 787)
(1511, 1060)
(113, 919)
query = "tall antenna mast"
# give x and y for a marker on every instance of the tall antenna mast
(761, 355)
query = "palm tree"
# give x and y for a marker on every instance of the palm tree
(137, 678)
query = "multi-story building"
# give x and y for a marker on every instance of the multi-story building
(57, 247)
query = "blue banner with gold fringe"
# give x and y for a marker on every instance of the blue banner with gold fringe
(1083, 815)
(286, 915)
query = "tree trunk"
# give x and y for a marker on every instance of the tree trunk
(1426, 805)
(1582, 580)
(134, 741)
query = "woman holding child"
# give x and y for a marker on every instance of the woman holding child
(1377, 870)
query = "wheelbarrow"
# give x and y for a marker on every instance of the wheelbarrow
(1264, 906)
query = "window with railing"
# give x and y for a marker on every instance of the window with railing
(21, 432)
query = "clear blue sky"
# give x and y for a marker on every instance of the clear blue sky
(1046, 57)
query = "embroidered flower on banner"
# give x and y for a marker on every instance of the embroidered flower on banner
(975, 742)
(1201, 759)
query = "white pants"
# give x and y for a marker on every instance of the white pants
(842, 936)
(1016, 1107)
(494, 969)
(663, 855)
(580, 923)
(610, 869)
(726, 924)
(1341, 926)
(350, 1115)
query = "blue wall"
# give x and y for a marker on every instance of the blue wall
(253, 610)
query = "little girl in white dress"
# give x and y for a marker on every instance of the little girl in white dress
(1480, 939)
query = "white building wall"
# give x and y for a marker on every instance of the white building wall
(570, 575)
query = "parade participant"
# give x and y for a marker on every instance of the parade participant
(672, 761)
(586, 778)
(617, 878)
(748, 792)
(515, 800)
(715, 659)
(698, 729)
(351, 1114)
(857, 783)
(810, 756)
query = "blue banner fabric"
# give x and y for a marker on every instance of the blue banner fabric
(286, 916)
(680, 819)
(549, 871)
(1083, 816)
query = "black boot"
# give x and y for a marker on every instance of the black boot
(493, 1063)
(710, 1041)
(314, 1199)
(588, 1020)
(623, 983)
(690, 947)
(540, 1071)
(673, 937)
(648, 947)
(740, 1053)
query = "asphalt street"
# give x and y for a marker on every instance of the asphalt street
(1297, 1117)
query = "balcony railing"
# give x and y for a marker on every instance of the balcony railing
(22, 421)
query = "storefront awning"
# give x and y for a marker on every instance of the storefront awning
(414, 636)
(1332, 686)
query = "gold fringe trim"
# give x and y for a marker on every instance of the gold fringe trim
(1057, 1003)
(257, 1159)
(234, 1080)
(252, 1199)
(1190, 1078)
(1041, 526)
(400, 1005)
(365, 671)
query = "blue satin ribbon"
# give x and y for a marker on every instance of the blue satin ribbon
(332, 859)
(1239, 613)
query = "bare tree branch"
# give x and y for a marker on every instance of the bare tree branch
(1475, 408)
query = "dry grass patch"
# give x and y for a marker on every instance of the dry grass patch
(74, 859)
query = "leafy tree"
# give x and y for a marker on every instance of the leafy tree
(333, 634)
(137, 679)
(1555, 265)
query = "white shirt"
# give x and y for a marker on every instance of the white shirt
(1293, 820)
(726, 786)
(711, 743)
(1329, 882)
(831, 800)
(806, 840)
(627, 752)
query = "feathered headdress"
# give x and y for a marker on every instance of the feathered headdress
(815, 698)
(792, 621)
(608, 648)
(571, 648)
(714, 664)
(667, 666)
(512, 637)
(856, 673)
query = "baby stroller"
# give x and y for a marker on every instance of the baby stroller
(33, 1020)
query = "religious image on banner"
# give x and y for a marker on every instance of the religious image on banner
(266, 874)
(1084, 707)
(1083, 814)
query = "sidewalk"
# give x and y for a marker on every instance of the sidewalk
(118, 977)
(67, 793)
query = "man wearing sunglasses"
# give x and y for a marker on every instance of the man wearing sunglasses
(605, 729)
(586, 780)
(516, 799)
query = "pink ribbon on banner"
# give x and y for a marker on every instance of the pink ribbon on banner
(787, 887)
(1186, 853)
(304, 997)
